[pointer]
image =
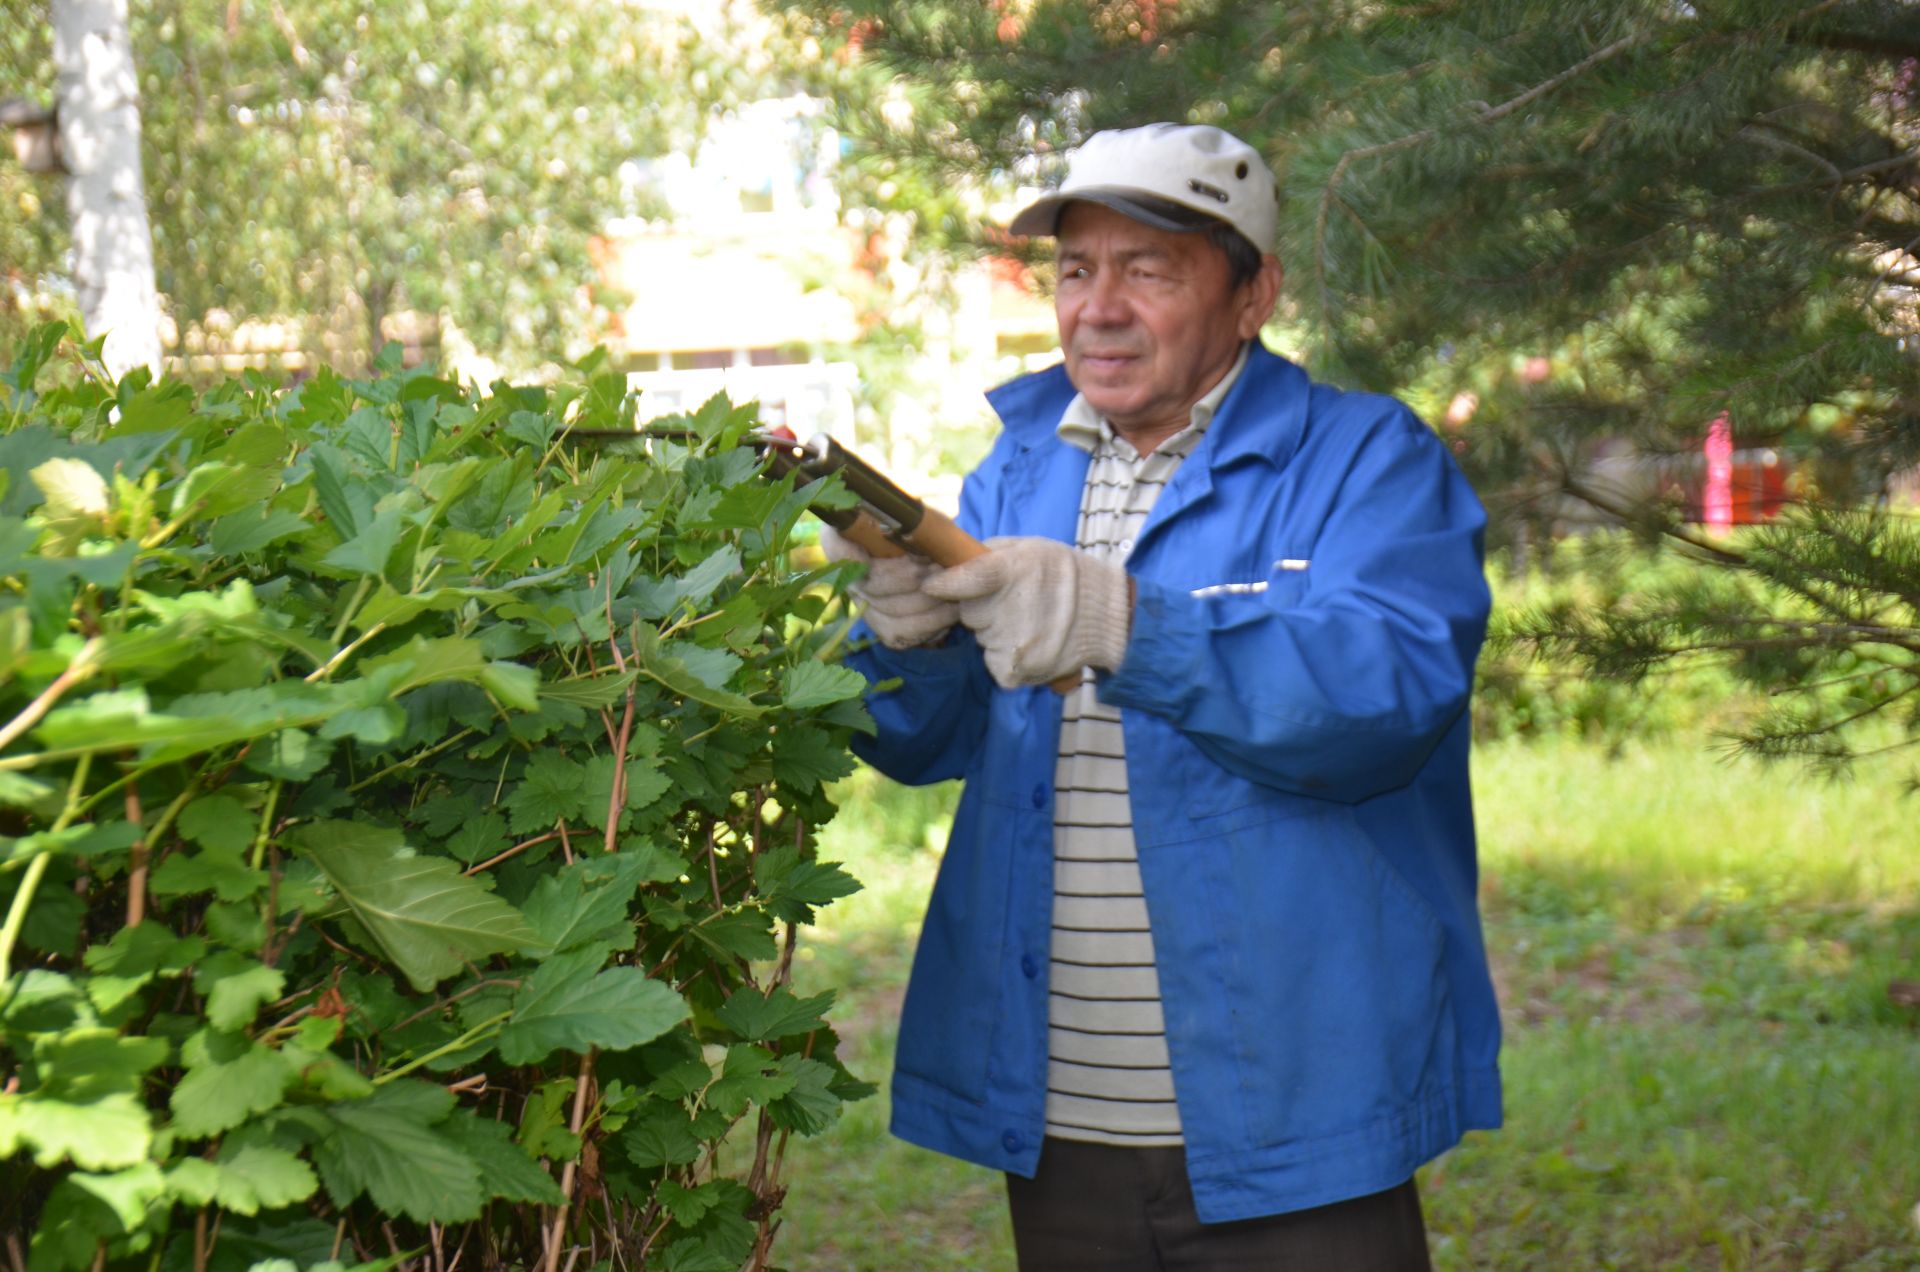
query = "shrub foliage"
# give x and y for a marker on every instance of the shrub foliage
(408, 817)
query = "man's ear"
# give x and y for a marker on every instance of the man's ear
(1260, 295)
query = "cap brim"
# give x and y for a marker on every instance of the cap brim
(1043, 216)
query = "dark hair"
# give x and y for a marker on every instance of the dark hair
(1243, 258)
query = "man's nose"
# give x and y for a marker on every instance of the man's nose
(1106, 302)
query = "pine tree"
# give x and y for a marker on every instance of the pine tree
(1682, 210)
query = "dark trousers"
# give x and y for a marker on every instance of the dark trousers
(1093, 1208)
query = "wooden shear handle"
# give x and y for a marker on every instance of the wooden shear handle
(939, 540)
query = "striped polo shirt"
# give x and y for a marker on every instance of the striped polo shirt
(1108, 1077)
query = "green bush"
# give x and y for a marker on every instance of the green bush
(1527, 690)
(406, 818)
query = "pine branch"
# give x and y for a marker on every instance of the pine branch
(1632, 514)
(1762, 136)
(1492, 114)
(1892, 47)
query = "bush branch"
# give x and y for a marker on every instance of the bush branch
(77, 671)
(568, 1172)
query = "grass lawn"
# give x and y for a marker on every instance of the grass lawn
(1703, 1068)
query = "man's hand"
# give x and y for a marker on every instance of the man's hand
(898, 611)
(1040, 609)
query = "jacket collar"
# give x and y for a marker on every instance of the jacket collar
(1260, 418)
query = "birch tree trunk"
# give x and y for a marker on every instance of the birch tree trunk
(99, 98)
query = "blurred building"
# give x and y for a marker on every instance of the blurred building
(759, 285)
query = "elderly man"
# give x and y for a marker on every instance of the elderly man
(1202, 972)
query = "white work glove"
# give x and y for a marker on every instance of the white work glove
(1040, 609)
(899, 613)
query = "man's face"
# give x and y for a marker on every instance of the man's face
(1149, 319)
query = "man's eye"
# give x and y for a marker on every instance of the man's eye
(1075, 271)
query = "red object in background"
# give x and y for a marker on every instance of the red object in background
(1738, 487)
(1716, 497)
(1759, 486)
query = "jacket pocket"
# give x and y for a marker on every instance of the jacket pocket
(1341, 1014)
(1208, 788)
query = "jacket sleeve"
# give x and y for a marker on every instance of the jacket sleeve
(930, 724)
(1339, 679)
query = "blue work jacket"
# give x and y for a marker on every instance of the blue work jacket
(1310, 601)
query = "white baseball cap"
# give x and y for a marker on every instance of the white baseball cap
(1171, 176)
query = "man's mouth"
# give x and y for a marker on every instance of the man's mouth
(1107, 361)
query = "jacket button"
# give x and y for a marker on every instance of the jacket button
(1028, 966)
(1040, 796)
(1010, 1142)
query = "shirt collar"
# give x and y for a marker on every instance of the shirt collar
(1082, 426)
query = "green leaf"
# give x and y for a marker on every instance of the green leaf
(711, 667)
(70, 1229)
(586, 902)
(128, 1193)
(550, 790)
(790, 886)
(227, 1083)
(543, 1122)
(743, 934)
(98, 1134)
(391, 608)
(805, 756)
(133, 958)
(478, 837)
(346, 500)
(17, 790)
(77, 499)
(420, 912)
(745, 507)
(84, 1063)
(145, 948)
(589, 692)
(516, 686)
(812, 1104)
(367, 552)
(683, 1079)
(111, 714)
(281, 1239)
(647, 781)
(248, 530)
(89, 839)
(657, 664)
(569, 1003)
(815, 684)
(219, 822)
(236, 988)
(222, 873)
(662, 1135)
(421, 662)
(294, 755)
(376, 726)
(688, 1205)
(245, 1180)
(35, 350)
(157, 407)
(658, 599)
(777, 1014)
(505, 1169)
(750, 1076)
(238, 479)
(386, 1147)
(723, 1237)
(39, 1001)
